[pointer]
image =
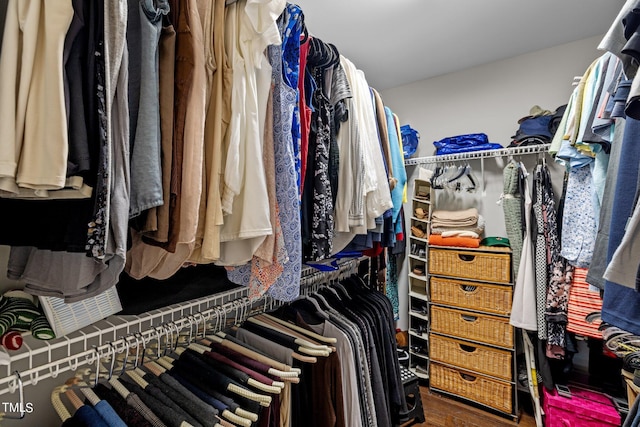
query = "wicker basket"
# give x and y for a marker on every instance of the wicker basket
(476, 265)
(477, 296)
(487, 391)
(478, 358)
(472, 326)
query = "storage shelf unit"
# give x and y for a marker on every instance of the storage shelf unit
(418, 285)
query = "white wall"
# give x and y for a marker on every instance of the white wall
(488, 99)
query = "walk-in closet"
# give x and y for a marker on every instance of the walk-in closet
(327, 214)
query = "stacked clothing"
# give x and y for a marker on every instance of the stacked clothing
(462, 228)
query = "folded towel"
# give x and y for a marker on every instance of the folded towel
(460, 233)
(462, 218)
(463, 242)
(477, 228)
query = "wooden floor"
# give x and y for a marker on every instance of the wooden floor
(442, 411)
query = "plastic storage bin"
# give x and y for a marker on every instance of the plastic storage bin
(585, 408)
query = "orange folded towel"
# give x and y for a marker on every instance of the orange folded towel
(463, 242)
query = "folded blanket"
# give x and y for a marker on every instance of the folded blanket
(462, 218)
(477, 228)
(463, 242)
(460, 233)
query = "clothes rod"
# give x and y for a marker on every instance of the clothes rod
(501, 152)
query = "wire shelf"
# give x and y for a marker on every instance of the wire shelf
(501, 152)
(37, 360)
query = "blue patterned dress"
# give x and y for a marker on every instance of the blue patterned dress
(291, 28)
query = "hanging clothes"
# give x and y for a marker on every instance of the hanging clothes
(251, 27)
(377, 195)
(192, 158)
(320, 185)
(143, 36)
(34, 148)
(512, 205)
(349, 207)
(75, 276)
(540, 231)
(366, 317)
(282, 278)
(523, 311)
(156, 223)
(599, 260)
(292, 31)
(619, 302)
(218, 116)
(156, 261)
(579, 226)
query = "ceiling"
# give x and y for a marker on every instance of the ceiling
(396, 42)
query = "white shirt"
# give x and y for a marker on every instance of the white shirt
(251, 27)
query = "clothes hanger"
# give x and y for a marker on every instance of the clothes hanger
(84, 388)
(239, 416)
(304, 343)
(304, 346)
(281, 369)
(237, 419)
(297, 370)
(337, 286)
(119, 387)
(75, 401)
(286, 376)
(263, 399)
(58, 405)
(201, 349)
(331, 296)
(324, 304)
(138, 377)
(328, 340)
(310, 342)
(237, 364)
(300, 353)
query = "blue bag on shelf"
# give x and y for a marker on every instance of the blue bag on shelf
(410, 139)
(465, 144)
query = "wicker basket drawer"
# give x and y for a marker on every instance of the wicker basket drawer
(490, 392)
(476, 265)
(477, 296)
(472, 326)
(478, 358)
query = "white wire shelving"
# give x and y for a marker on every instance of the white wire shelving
(37, 360)
(472, 155)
